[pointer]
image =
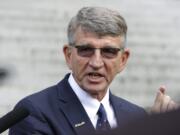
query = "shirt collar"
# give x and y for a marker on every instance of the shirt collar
(90, 104)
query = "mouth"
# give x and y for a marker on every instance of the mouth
(95, 77)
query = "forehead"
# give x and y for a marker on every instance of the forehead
(91, 38)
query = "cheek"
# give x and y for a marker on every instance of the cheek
(116, 69)
(118, 65)
(79, 65)
(112, 69)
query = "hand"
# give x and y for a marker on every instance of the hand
(163, 103)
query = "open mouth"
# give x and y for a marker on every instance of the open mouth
(95, 76)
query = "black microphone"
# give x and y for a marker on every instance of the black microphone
(12, 118)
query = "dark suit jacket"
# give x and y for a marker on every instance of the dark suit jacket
(57, 111)
(157, 124)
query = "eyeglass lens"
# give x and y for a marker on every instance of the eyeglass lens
(107, 52)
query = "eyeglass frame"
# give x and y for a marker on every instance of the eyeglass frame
(104, 55)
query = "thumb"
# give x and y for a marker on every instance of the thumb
(162, 89)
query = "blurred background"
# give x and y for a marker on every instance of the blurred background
(33, 32)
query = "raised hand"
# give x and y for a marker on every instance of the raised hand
(163, 102)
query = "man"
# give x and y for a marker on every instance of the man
(82, 102)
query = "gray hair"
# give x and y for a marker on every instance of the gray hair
(98, 20)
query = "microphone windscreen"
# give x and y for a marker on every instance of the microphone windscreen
(12, 118)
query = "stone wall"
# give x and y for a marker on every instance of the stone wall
(32, 33)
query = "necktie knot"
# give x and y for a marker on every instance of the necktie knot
(102, 122)
(101, 112)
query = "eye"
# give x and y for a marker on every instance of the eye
(85, 51)
(110, 52)
(84, 48)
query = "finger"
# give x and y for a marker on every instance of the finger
(176, 105)
(159, 98)
(162, 89)
(156, 108)
(172, 106)
(165, 103)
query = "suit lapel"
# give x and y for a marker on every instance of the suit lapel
(120, 110)
(73, 109)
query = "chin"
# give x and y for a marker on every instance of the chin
(95, 90)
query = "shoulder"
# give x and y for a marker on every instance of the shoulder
(46, 95)
(46, 98)
(39, 98)
(127, 106)
(43, 94)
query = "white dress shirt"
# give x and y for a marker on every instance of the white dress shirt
(91, 105)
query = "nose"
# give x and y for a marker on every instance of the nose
(96, 60)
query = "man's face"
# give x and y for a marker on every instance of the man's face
(94, 72)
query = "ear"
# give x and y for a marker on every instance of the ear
(125, 55)
(67, 50)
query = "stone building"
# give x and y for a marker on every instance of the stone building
(32, 33)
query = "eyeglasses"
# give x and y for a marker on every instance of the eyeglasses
(106, 52)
